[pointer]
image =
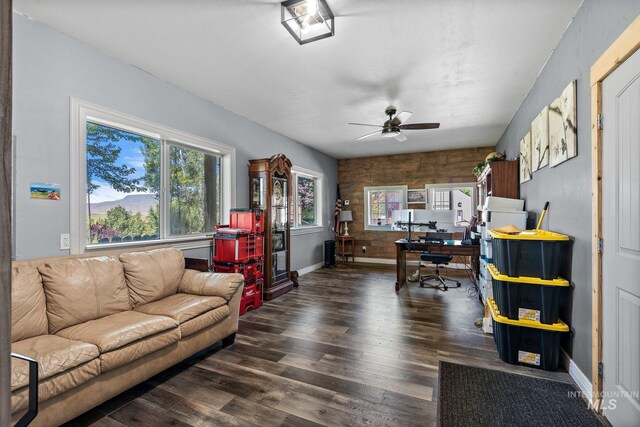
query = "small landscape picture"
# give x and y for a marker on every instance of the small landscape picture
(45, 191)
(417, 196)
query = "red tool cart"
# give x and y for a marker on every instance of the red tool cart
(239, 248)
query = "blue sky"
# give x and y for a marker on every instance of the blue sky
(130, 155)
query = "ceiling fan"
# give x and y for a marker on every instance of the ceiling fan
(394, 127)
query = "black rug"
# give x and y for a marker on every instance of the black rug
(482, 397)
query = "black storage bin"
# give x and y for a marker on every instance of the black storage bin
(528, 298)
(531, 253)
(329, 253)
(524, 342)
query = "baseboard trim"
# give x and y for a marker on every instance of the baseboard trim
(581, 380)
(310, 268)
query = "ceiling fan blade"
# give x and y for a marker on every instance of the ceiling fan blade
(364, 124)
(368, 135)
(418, 126)
(400, 137)
(401, 117)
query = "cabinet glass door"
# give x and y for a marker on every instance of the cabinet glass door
(280, 222)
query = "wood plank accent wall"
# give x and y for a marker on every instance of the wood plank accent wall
(5, 208)
(414, 170)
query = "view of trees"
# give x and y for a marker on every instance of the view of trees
(194, 179)
(306, 201)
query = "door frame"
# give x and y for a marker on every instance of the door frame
(620, 50)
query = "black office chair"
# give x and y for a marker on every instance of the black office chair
(439, 260)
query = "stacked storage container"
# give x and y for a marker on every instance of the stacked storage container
(527, 294)
(239, 248)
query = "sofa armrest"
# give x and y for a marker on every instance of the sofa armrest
(222, 285)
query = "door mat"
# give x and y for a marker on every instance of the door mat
(472, 396)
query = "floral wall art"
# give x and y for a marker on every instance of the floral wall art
(562, 127)
(540, 140)
(525, 158)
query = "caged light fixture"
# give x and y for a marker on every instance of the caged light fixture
(307, 20)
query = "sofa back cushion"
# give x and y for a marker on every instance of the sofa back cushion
(28, 308)
(152, 275)
(83, 289)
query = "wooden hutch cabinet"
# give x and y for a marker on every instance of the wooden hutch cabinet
(499, 179)
(271, 190)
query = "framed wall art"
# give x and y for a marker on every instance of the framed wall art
(525, 158)
(562, 127)
(540, 140)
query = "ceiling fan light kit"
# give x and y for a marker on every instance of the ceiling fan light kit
(393, 127)
(307, 20)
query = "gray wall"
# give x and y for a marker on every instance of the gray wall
(49, 67)
(568, 186)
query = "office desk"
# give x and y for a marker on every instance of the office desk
(452, 247)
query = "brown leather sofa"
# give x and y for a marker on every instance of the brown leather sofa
(98, 325)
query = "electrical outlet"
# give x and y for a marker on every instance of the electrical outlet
(65, 241)
(364, 249)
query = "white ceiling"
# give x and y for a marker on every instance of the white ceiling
(465, 63)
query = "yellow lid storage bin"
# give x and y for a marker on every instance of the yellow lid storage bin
(531, 253)
(527, 342)
(528, 298)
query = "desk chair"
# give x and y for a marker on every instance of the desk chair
(438, 260)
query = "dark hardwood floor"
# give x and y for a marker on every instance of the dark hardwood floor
(342, 349)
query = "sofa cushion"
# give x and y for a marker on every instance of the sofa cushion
(187, 308)
(54, 355)
(182, 307)
(125, 336)
(152, 275)
(83, 289)
(223, 285)
(28, 305)
(203, 321)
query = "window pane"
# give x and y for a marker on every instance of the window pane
(306, 201)
(376, 207)
(122, 185)
(394, 203)
(194, 196)
(441, 200)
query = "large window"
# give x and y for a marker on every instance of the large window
(138, 181)
(307, 198)
(380, 204)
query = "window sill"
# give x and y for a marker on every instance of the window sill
(181, 243)
(307, 230)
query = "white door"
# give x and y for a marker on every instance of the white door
(621, 239)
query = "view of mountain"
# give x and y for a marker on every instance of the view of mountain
(133, 203)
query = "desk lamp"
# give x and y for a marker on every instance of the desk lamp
(346, 216)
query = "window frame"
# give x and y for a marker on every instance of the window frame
(297, 171)
(83, 111)
(367, 207)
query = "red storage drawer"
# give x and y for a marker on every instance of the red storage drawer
(257, 302)
(251, 219)
(249, 269)
(233, 247)
(251, 296)
(258, 245)
(237, 245)
(248, 298)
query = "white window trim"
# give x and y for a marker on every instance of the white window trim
(318, 227)
(80, 111)
(402, 188)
